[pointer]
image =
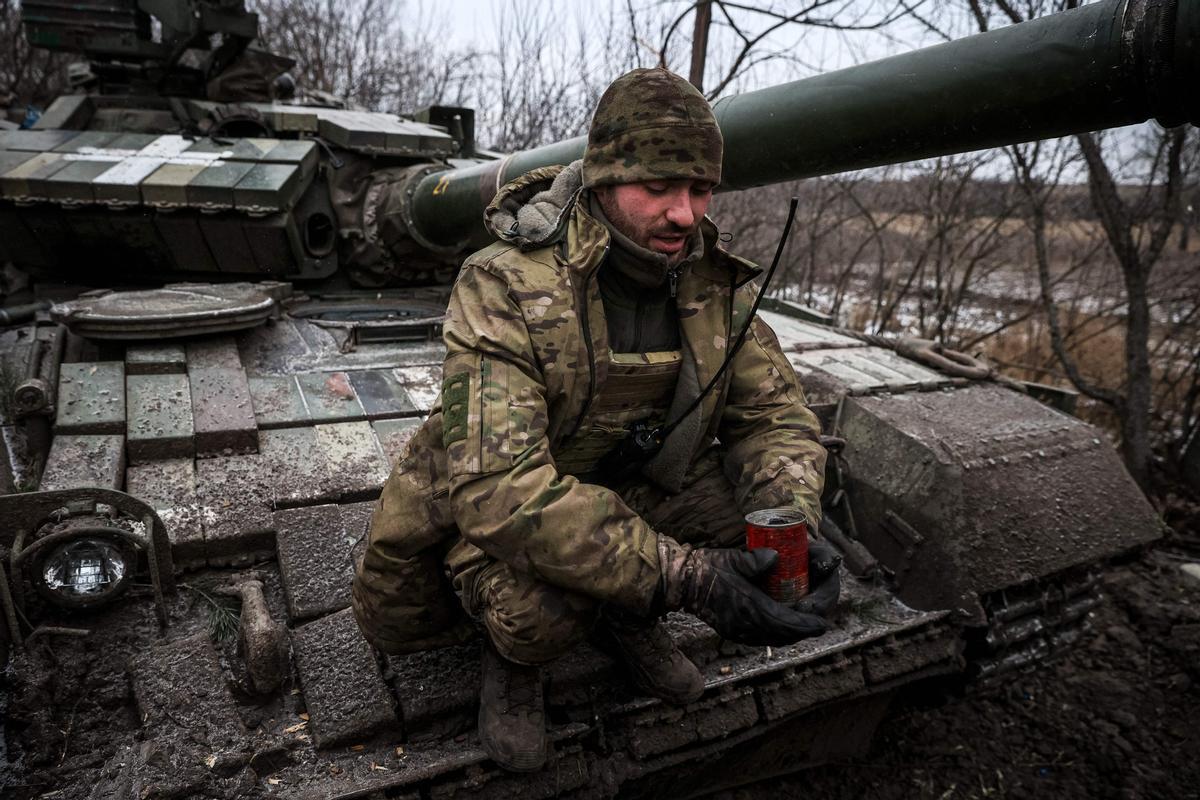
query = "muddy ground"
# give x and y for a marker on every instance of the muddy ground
(1117, 718)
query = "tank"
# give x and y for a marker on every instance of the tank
(233, 330)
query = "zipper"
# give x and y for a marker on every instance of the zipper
(639, 313)
(673, 278)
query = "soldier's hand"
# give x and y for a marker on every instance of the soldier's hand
(824, 581)
(718, 586)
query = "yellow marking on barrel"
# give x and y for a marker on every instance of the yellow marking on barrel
(442, 184)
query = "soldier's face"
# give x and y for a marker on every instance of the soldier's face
(658, 215)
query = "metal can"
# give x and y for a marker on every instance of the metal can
(784, 530)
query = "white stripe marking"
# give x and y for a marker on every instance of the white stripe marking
(131, 167)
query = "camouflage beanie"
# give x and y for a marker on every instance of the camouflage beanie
(651, 124)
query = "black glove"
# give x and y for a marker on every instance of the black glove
(718, 586)
(824, 581)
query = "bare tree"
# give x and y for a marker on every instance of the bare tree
(531, 86)
(539, 78)
(700, 43)
(953, 225)
(379, 54)
(753, 219)
(749, 27)
(875, 223)
(1137, 232)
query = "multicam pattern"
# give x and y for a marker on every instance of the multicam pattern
(651, 124)
(526, 331)
(534, 622)
(401, 600)
(639, 388)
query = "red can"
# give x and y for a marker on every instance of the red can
(784, 530)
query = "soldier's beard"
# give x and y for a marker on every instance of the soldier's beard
(667, 240)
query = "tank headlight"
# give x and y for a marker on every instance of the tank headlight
(84, 572)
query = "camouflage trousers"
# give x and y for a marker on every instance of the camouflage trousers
(532, 622)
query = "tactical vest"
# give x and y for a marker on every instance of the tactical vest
(639, 388)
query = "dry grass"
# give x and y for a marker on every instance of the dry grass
(1023, 352)
(1097, 345)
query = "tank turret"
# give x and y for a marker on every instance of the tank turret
(205, 172)
(211, 167)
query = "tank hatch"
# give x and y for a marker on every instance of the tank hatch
(175, 310)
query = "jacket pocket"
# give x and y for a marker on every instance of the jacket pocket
(495, 413)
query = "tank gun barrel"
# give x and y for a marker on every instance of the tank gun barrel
(1105, 65)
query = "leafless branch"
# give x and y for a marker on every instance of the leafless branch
(1037, 226)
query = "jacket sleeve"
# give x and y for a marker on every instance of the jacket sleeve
(505, 491)
(773, 454)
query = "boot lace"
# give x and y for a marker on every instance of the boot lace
(521, 690)
(653, 641)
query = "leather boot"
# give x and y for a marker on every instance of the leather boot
(655, 664)
(512, 713)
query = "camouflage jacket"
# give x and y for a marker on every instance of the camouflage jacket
(527, 348)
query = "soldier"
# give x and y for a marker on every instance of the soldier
(606, 302)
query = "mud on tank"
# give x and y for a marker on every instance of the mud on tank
(196, 429)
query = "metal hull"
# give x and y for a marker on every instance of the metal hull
(329, 412)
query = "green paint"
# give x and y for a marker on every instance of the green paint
(455, 403)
